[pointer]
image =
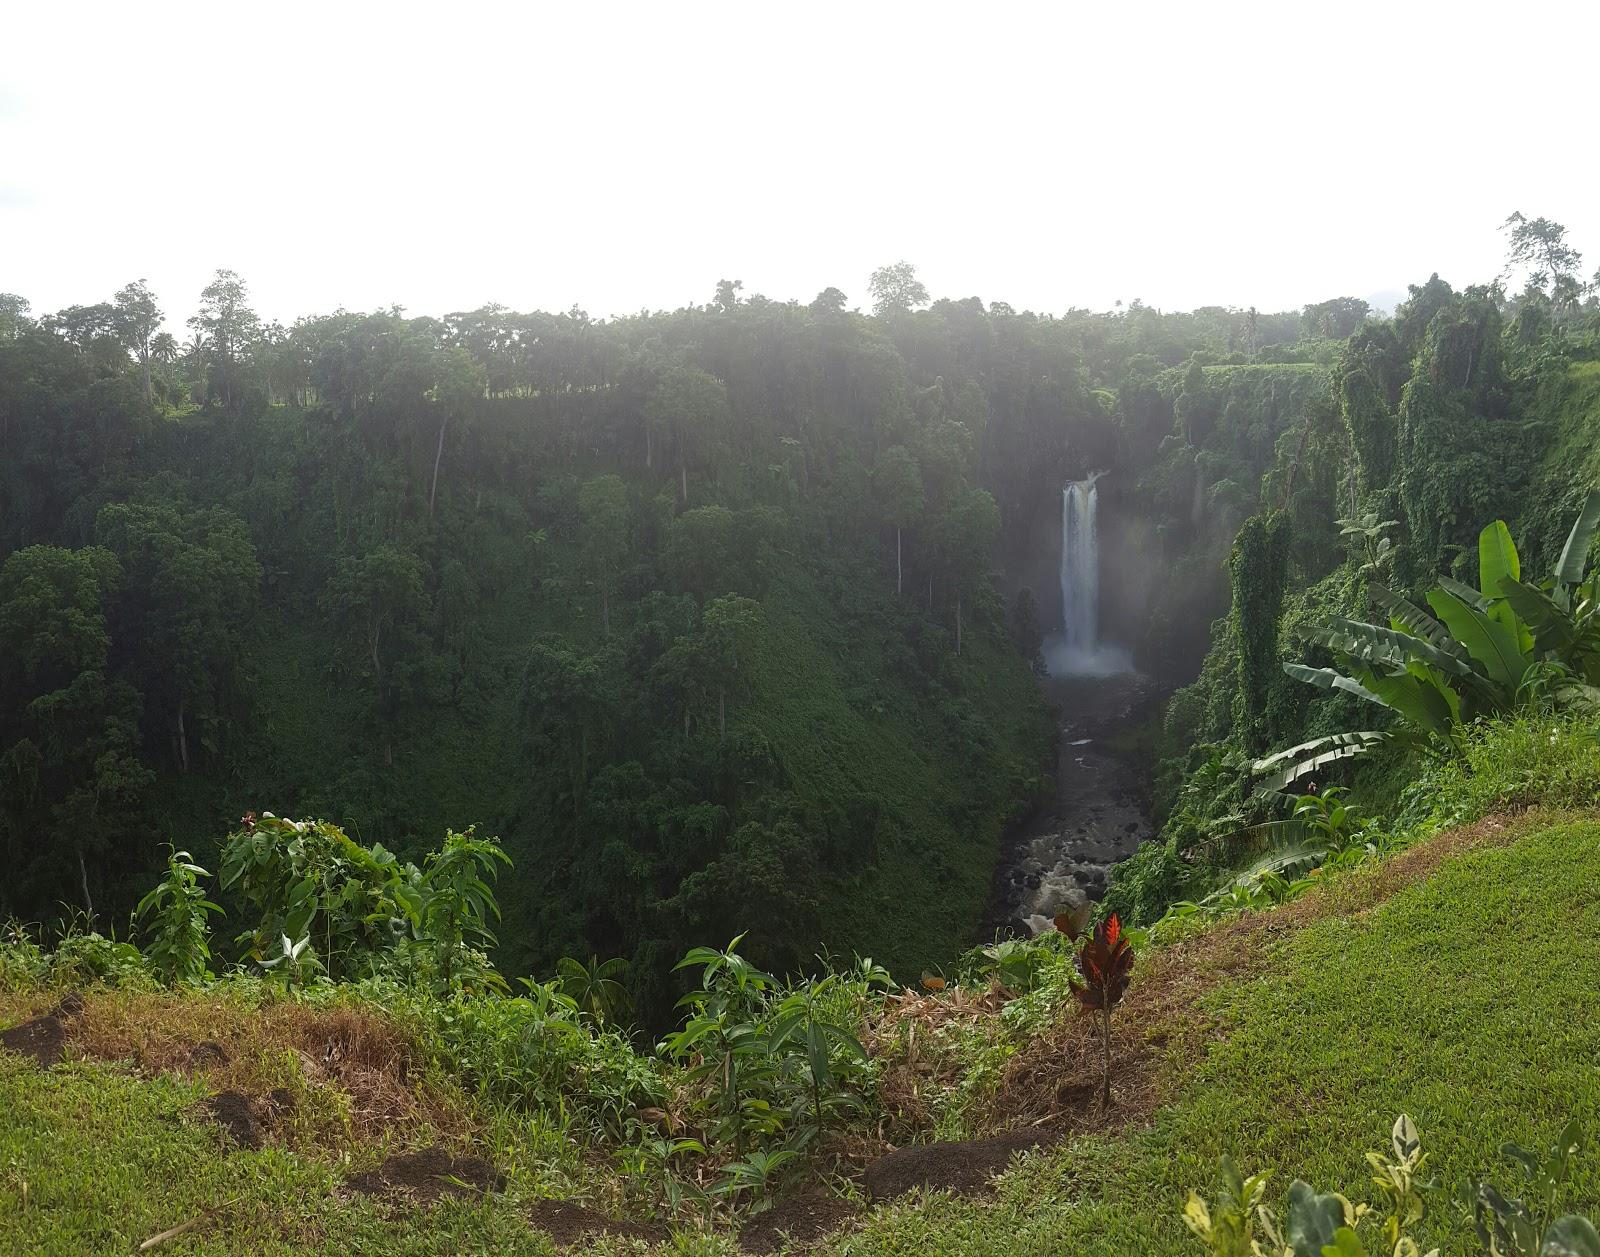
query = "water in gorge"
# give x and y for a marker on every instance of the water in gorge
(1058, 860)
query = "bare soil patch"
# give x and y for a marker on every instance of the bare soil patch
(43, 1040)
(423, 1177)
(567, 1223)
(964, 1166)
(801, 1220)
(249, 1120)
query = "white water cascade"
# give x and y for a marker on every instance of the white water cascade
(1078, 649)
(1080, 565)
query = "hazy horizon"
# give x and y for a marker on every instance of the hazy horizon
(628, 158)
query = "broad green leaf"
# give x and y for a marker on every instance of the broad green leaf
(1492, 646)
(1553, 629)
(1413, 619)
(1328, 679)
(1466, 593)
(1418, 700)
(1363, 738)
(1382, 644)
(1569, 567)
(1497, 559)
(1570, 1237)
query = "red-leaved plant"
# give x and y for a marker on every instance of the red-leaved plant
(1105, 963)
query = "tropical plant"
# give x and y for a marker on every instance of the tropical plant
(723, 1037)
(1373, 536)
(754, 1174)
(177, 915)
(1503, 646)
(307, 879)
(1105, 963)
(448, 904)
(295, 959)
(1512, 1227)
(804, 1020)
(597, 987)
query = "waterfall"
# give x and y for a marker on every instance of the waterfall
(1080, 566)
(1078, 651)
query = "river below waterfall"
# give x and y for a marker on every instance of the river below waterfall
(1059, 858)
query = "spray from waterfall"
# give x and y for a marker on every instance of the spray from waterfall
(1078, 650)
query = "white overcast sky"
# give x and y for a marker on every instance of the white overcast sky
(628, 156)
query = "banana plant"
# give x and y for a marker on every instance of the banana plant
(1504, 645)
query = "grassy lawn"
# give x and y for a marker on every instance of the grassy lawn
(1465, 1001)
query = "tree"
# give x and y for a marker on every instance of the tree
(380, 600)
(1026, 635)
(1540, 245)
(1335, 319)
(458, 381)
(192, 581)
(897, 482)
(13, 315)
(603, 511)
(966, 534)
(71, 783)
(896, 289)
(138, 321)
(828, 301)
(224, 324)
(726, 620)
(690, 407)
(727, 295)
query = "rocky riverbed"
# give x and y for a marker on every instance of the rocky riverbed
(1058, 860)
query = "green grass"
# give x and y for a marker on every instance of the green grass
(1464, 1000)
(94, 1160)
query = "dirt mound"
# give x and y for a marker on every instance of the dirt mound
(427, 1175)
(44, 1040)
(801, 1219)
(964, 1167)
(249, 1120)
(567, 1223)
(233, 1111)
(207, 1055)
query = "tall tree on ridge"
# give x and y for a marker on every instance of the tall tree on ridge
(138, 321)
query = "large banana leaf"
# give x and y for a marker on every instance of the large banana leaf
(1424, 701)
(1295, 769)
(1328, 679)
(1414, 620)
(1492, 645)
(1466, 593)
(1553, 629)
(1497, 558)
(1569, 567)
(1371, 643)
(1364, 739)
(1497, 563)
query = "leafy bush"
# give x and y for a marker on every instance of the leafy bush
(177, 912)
